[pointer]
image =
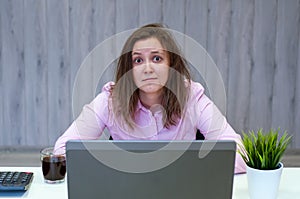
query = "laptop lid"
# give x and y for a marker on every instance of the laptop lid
(150, 169)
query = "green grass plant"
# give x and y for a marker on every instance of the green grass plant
(264, 150)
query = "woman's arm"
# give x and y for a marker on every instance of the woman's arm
(90, 123)
(213, 125)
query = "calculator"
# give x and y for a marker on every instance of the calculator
(15, 180)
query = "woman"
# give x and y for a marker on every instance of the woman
(153, 98)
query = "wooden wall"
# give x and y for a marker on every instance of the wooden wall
(255, 44)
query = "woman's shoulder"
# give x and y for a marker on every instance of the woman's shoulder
(196, 90)
(101, 103)
(103, 96)
(197, 96)
(107, 88)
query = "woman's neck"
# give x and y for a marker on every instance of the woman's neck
(150, 99)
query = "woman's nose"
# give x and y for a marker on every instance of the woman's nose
(148, 67)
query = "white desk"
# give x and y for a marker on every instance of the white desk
(289, 186)
(38, 189)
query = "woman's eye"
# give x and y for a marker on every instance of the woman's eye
(137, 60)
(157, 59)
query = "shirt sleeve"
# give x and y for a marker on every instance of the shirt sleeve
(214, 126)
(89, 124)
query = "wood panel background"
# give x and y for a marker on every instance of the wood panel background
(254, 43)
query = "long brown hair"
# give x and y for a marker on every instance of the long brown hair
(125, 94)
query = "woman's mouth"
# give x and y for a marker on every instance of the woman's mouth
(149, 79)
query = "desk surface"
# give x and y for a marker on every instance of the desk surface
(289, 185)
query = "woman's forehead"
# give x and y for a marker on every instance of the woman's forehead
(148, 44)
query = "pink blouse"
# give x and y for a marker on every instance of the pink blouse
(201, 113)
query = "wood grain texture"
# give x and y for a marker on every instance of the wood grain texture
(81, 43)
(219, 32)
(174, 14)
(296, 115)
(196, 18)
(287, 36)
(262, 74)
(104, 17)
(58, 61)
(255, 44)
(127, 15)
(1, 79)
(150, 12)
(12, 17)
(241, 63)
(36, 84)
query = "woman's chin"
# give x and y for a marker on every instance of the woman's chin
(151, 88)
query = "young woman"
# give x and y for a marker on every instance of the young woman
(152, 98)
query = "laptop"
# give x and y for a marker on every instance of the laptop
(150, 169)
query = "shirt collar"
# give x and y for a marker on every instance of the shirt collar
(141, 107)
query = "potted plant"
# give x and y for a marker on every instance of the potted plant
(262, 153)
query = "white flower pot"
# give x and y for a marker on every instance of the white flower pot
(263, 183)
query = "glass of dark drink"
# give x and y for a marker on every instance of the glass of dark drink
(53, 166)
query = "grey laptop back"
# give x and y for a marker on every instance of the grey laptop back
(150, 169)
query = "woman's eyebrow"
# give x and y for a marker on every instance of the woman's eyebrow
(136, 53)
(156, 51)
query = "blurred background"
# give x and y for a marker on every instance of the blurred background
(254, 43)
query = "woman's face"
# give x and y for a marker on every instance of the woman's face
(150, 66)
